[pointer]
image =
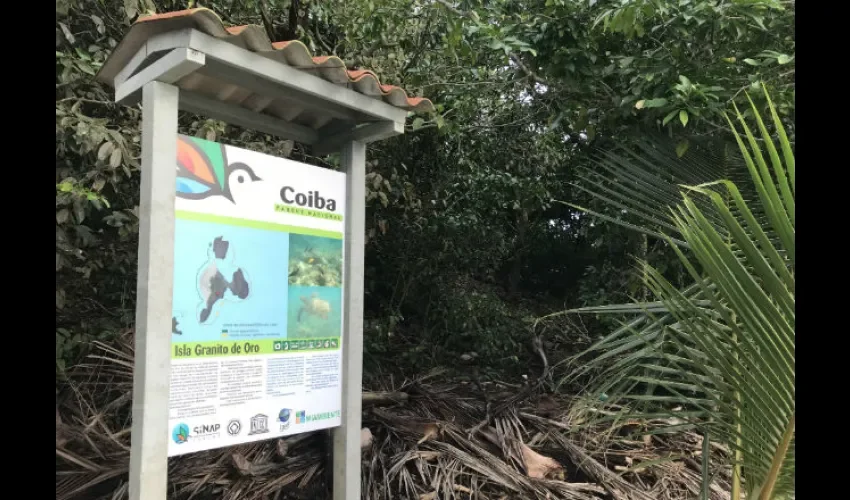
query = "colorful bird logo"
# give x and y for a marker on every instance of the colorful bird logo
(203, 171)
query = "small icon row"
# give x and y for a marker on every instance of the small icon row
(305, 345)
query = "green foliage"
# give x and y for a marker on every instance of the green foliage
(617, 63)
(96, 164)
(474, 318)
(97, 177)
(722, 349)
(522, 89)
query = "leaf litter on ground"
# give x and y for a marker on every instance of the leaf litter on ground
(417, 446)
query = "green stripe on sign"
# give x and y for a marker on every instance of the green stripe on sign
(306, 211)
(229, 348)
(255, 224)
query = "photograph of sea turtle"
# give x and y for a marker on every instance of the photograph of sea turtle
(315, 261)
(314, 312)
(314, 306)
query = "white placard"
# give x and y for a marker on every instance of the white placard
(257, 328)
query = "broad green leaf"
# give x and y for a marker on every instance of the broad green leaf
(683, 117)
(105, 150)
(655, 103)
(79, 212)
(67, 32)
(115, 158)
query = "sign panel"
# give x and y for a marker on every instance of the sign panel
(257, 325)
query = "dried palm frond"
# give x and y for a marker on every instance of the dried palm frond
(419, 449)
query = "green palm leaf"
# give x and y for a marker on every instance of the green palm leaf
(723, 350)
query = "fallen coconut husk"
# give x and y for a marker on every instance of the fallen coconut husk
(539, 466)
(415, 446)
(365, 438)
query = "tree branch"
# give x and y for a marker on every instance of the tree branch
(525, 69)
(267, 21)
(321, 40)
(513, 57)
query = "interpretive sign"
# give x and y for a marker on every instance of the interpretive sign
(257, 300)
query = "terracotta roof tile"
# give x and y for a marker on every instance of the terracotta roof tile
(292, 53)
(168, 15)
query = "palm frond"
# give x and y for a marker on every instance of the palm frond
(635, 183)
(719, 355)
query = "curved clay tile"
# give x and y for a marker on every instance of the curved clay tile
(292, 53)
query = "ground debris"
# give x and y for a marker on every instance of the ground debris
(415, 448)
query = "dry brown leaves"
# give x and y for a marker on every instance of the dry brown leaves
(416, 449)
(539, 466)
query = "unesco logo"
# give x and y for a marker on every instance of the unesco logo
(259, 424)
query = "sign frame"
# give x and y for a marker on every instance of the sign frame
(156, 76)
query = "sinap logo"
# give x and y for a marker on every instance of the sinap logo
(180, 433)
(202, 430)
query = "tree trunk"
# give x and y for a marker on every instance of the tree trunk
(515, 274)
